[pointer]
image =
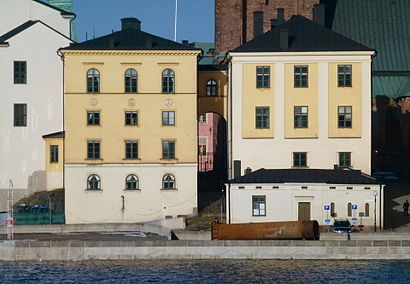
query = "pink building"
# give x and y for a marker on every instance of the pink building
(207, 141)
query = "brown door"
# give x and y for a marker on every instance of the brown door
(304, 211)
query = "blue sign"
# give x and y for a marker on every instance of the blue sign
(354, 206)
(327, 221)
(354, 219)
(327, 207)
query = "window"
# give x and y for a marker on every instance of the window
(93, 81)
(344, 75)
(262, 76)
(93, 182)
(211, 88)
(131, 150)
(262, 117)
(131, 118)
(366, 210)
(53, 153)
(168, 81)
(345, 159)
(20, 115)
(168, 118)
(168, 149)
(168, 182)
(300, 116)
(93, 118)
(300, 159)
(349, 209)
(131, 81)
(131, 182)
(93, 150)
(202, 143)
(301, 76)
(332, 209)
(203, 119)
(258, 205)
(20, 72)
(345, 117)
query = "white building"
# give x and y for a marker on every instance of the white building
(31, 90)
(305, 194)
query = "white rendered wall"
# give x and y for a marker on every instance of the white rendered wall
(322, 152)
(148, 204)
(13, 13)
(22, 148)
(282, 203)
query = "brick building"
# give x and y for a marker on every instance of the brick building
(234, 19)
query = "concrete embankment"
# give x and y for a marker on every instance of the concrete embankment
(163, 249)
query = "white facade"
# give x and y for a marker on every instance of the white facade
(13, 13)
(276, 153)
(22, 148)
(149, 203)
(282, 202)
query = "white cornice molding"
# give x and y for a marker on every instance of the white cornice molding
(131, 52)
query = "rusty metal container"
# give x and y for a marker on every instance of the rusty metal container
(293, 230)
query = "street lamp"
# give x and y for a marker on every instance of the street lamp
(375, 196)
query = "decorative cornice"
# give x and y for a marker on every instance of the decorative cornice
(131, 52)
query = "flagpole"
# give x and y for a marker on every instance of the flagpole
(176, 19)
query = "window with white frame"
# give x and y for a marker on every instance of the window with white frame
(132, 182)
(301, 116)
(131, 81)
(93, 81)
(344, 75)
(168, 118)
(168, 182)
(345, 159)
(93, 182)
(258, 205)
(168, 81)
(131, 118)
(211, 88)
(202, 145)
(344, 116)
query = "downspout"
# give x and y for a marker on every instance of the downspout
(230, 176)
(229, 202)
(380, 206)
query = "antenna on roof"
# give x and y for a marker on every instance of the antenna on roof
(94, 32)
(86, 35)
(176, 20)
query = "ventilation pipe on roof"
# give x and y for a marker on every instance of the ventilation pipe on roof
(283, 39)
(319, 14)
(130, 23)
(280, 16)
(257, 23)
(248, 170)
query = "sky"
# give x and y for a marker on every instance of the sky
(195, 17)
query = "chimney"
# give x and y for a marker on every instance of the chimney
(248, 170)
(280, 16)
(273, 23)
(257, 23)
(319, 14)
(185, 42)
(130, 23)
(283, 39)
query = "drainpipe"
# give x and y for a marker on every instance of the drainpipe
(380, 206)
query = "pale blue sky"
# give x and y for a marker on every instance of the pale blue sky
(195, 17)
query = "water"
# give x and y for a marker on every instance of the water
(208, 271)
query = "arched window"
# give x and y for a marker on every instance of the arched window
(131, 81)
(131, 182)
(367, 210)
(93, 81)
(168, 81)
(93, 182)
(168, 182)
(211, 88)
(332, 209)
(349, 209)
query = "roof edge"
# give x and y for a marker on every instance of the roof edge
(62, 12)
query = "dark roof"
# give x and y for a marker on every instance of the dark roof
(129, 39)
(337, 176)
(62, 12)
(16, 31)
(213, 67)
(304, 35)
(24, 27)
(59, 134)
(383, 25)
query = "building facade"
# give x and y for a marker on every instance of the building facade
(303, 102)
(31, 91)
(229, 36)
(130, 128)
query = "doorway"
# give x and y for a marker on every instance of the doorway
(304, 211)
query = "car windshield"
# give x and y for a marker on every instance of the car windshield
(342, 224)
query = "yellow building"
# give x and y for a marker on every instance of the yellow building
(300, 98)
(130, 109)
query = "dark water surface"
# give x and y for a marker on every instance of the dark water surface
(208, 271)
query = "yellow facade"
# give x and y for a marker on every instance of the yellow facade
(219, 103)
(112, 102)
(257, 97)
(301, 96)
(345, 96)
(55, 166)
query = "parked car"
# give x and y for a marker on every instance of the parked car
(342, 226)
